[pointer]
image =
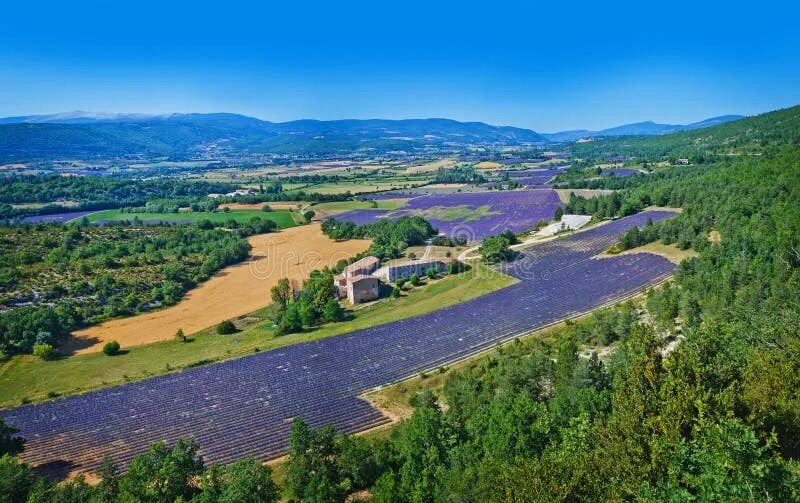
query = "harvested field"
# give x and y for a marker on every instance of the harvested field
(563, 194)
(669, 252)
(446, 185)
(488, 165)
(235, 291)
(431, 166)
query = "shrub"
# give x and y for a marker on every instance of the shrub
(332, 311)
(456, 267)
(399, 282)
(226, 327)
(308, 215)
(266, 208)
(414, 280)
(111, 348)
(44, 351)
(496, 249)
(180, 335)
(431, 273)
(395, 293)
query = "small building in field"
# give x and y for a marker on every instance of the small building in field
(393, 272)
(363, 267)
(363, 288)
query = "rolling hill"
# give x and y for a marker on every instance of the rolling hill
(181, 136)
(647, 128)
(751, 135)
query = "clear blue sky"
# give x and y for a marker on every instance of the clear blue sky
(553, 66)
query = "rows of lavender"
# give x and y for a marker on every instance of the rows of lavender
(516, 211)
(56, 217)
(243, 407)
(621, 171)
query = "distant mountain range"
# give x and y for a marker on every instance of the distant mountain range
(85, 135)
(648, 128)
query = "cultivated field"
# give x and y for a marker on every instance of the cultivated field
(237, 290)
(281, 217)
(323, 210)
(241, 406)
(359, 186)
(26, 377)
(563, 194)
(283, 205)
(474, 215)
(430, 166)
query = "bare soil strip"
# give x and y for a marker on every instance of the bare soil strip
(235, 291)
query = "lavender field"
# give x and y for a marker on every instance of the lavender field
(242, 407)
(621, 171)
(474, 216)
(56, 217)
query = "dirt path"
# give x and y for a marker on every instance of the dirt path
(235, 291)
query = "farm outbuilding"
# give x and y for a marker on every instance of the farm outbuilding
(363, 289)
(391, 273)
(363, 267)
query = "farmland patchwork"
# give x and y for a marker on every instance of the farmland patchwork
(243, 407)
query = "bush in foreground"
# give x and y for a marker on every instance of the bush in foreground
(44, 351)
(111, 348)
(226, 327)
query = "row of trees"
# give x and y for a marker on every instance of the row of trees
(459, 174)
(389, 237)
(95, 193)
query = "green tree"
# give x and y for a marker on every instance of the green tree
(282, 293)
(333, 311)
(16, 479)
(44, 351)
(163, 474)
(495, 249)
(244, 481)
(9, 442)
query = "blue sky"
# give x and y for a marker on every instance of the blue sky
(555, 66)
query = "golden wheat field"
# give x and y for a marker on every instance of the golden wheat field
(236, 290)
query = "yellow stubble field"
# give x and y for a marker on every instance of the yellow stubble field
(236, 290)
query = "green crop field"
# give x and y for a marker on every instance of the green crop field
(281, 217)
(26, 377)
(335, 207)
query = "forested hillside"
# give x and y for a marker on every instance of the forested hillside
(753, 135)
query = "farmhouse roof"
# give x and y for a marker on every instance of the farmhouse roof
(360, 277)
(364, 262)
